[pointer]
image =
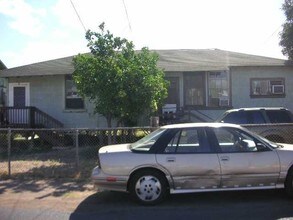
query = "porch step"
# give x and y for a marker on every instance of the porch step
(26, 117)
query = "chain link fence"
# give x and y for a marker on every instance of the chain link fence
(73, 153)
(57, 153)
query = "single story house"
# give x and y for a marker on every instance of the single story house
(203, 84)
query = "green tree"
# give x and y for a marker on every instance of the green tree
(287, 32)
(122, 83)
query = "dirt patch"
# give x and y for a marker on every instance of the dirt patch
(57, 163)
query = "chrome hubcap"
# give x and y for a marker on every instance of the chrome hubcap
(148, 188)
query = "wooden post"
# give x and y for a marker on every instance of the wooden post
(32, 123)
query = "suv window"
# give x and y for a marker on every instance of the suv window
(260, 116)
(235, 118)
(255, 117)
(280, 116)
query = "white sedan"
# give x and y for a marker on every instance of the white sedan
(194, 157)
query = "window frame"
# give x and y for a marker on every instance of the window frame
(228, 88)
(233, 148)
(207, 89)
(203, 89)
(270, 87)
(77, 97)
(203, 147)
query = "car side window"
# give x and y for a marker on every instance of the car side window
(230, 140)
(236, 118)
(256, 117)
(279, 116)
(188, 141)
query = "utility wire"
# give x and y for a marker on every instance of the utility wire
(269, 37)
(78, 16)
(125, 8)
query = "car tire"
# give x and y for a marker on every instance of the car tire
(148, 187)
(289, 183)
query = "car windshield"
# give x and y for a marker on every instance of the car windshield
(145, 143)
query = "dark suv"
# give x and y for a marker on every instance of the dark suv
(257, 116)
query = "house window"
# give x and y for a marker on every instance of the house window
(194, 93)
(218, 89)
(72, 99)
(207, 89)
(267, 87)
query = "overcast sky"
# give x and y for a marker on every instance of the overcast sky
(37, 30)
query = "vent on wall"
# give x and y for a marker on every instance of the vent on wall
(278, 89)
(224, 101)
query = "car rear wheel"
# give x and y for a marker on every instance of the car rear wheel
(289, 183)
(148, 187)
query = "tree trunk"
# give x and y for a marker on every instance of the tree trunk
(109, 121)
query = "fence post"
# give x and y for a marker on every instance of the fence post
(76, 150)
(101, 138)
(9, 151)
(109, 136)
(114, 136)
(32, 117)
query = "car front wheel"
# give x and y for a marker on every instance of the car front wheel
(148, 187)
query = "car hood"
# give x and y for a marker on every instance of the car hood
(115, 148)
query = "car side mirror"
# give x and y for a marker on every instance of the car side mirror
(261, 147)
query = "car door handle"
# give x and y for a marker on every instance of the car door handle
(225, 158)
(171, 159)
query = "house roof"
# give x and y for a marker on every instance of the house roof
(51, 67)
(211, 59)
(169, 60)
(2, 65)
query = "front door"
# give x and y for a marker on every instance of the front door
(19, 95)
(173, 91)
(190, 160)
(194, 89)
(19, 98)
(242, 164)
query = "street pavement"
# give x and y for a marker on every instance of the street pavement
(68, 199)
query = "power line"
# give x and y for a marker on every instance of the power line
(269, 37)
(125, 8)
(78, 15)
